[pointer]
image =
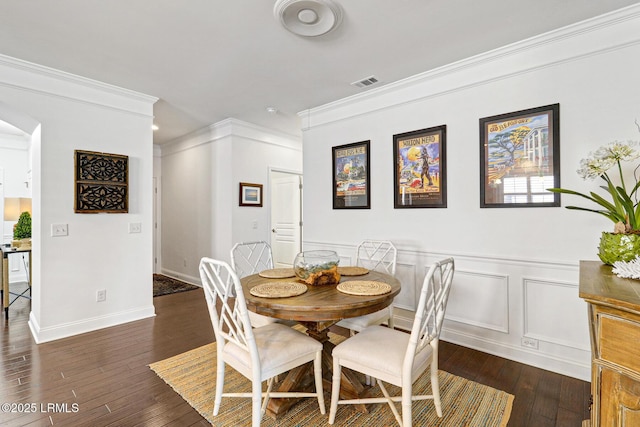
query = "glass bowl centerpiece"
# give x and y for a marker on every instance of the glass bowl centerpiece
(317, 267)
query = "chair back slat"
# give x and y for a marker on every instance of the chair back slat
(226, 303)
(431, 306)
(249, 258)
(377, 255)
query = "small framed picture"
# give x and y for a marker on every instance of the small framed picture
(250, 194)
(520, 158)
(420, 168)
(351, 179)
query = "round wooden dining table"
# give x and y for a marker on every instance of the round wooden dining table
(317, 310)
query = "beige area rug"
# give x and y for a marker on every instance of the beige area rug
(464, 403)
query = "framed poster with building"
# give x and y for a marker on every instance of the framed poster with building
(520, 158)
(420, 168)
(351, 178)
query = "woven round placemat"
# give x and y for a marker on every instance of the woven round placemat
(277, 273)
(352, 271)
(278, 290)
(364, 287)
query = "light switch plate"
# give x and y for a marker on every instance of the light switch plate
(58, 230)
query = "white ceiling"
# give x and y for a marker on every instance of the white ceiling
(208, 60)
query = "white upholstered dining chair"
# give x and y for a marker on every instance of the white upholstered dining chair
(377, 255)
(249, 258)
(396, 357)
(260, 354)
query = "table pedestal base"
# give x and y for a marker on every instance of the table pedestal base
(301, 378)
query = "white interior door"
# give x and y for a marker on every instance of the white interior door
(286, 218)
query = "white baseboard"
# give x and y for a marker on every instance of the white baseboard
(41, 335)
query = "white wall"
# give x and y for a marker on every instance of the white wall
(200, 191)
(517, 269)
(65, 113)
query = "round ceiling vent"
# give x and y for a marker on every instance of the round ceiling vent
(308, 18)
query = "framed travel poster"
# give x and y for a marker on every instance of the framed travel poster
(520, 158)
(420, 168)
(351, 179)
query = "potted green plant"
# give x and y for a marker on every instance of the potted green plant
(22, 230)
(619, 205)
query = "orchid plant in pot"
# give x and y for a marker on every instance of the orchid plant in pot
(620, 205)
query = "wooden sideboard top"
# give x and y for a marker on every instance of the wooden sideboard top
(599, 285)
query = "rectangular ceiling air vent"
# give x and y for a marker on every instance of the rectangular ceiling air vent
(371, 80)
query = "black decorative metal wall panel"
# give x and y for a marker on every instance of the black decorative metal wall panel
(102, 182)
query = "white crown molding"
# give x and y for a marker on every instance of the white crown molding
(231, 128)
(582, 39)
(24, 75)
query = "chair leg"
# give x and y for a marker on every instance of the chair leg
(265, 401)
(435, 388)
(317, 370)
(407, 391)
(392, 405)
(256, 400)
(219, 385)
(335, 390)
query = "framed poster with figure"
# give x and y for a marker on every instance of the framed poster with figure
(420, 168)
(351, 178)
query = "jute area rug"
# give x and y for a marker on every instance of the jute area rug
(464, 403)
(164, 285)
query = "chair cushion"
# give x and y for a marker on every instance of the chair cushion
(380, 352)
(361, 322)
(280, 347)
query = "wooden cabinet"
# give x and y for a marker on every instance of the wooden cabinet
(614, 317)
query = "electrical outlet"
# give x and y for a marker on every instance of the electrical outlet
(58, 230)
(101, 295)
(135, 227)
(530, 343)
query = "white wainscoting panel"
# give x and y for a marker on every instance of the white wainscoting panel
(554, 313)
(486, 294)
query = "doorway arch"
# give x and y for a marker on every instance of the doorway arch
(31, 127)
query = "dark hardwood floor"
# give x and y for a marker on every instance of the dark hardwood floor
(103, 377)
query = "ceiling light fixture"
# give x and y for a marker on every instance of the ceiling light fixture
(154, 127)
(272, 110)
(308, 18)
